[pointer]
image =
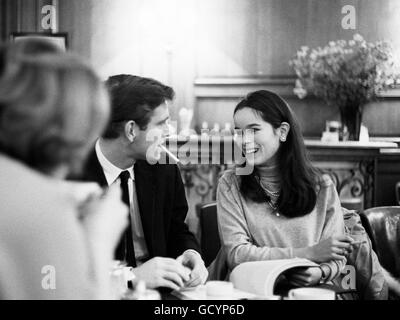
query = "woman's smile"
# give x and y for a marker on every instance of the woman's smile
(251, 149)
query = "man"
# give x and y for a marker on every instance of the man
(157, 243)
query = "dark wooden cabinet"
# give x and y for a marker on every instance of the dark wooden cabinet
(388, 175)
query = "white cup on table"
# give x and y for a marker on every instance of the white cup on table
(311, 294)
(219, 289)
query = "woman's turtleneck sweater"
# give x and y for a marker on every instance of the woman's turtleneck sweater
(269, 173)
(252, 231)
(270, 181)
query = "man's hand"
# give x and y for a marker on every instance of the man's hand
(195, 263)
(303, 277)
(162, 272)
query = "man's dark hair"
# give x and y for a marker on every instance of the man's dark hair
(134, 98)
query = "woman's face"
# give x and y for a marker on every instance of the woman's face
(260, 140)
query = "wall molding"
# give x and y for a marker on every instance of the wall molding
(236, 87)
(224, 87)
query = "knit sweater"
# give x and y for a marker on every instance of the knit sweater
(250, 231)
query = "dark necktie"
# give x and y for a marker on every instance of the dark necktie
(125, 250)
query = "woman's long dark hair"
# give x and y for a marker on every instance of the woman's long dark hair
(298, 177)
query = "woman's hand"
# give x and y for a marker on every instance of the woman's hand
(105, 217)
(303, 277)
(334, 248)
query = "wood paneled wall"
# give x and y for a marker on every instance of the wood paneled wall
(21, 16)
(259, 47)
(8, 14)
(179, 41)
(216, 99)
(247, 38)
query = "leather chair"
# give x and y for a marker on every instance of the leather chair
(383, 226)
(210, 241)
(352, 203)
(397, 191)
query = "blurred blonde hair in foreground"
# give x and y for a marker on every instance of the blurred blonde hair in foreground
(52, 106)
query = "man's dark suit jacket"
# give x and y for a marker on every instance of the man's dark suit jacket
(162, 204)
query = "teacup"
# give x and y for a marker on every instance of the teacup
(311, 294)
(219, 288)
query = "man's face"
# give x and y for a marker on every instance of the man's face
(147, 142)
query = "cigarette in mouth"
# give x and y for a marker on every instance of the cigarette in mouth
(170, 154)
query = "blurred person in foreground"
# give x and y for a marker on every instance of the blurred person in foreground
(157, 243)
(56, 237)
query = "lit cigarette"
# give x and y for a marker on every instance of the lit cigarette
(170, 154)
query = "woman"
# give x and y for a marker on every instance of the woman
(283, 209)
(55, 241)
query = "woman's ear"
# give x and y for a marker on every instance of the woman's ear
(130, 128)
(284, 131)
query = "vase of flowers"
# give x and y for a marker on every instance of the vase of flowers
(347, 75)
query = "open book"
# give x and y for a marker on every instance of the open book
(260, 277)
